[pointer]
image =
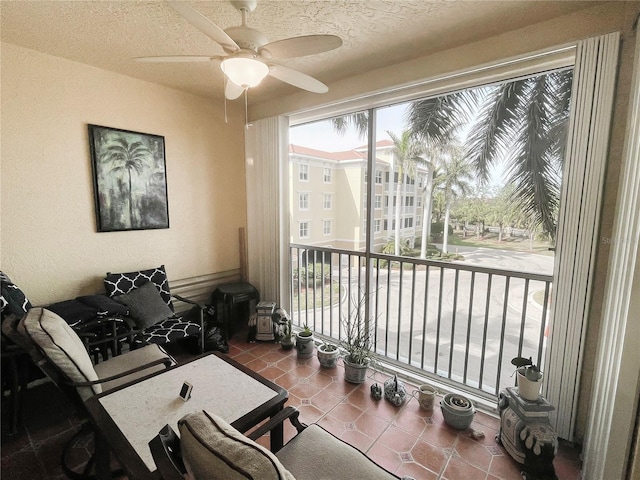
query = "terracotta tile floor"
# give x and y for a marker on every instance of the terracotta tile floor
(402, 439)
(405, 440)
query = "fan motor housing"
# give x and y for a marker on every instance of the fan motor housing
(246, 37)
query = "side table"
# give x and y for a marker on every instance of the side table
(527, 435)
(230, 295)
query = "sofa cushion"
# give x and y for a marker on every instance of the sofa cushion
(146, 306)
(12, 299)
(104, 305)
(307, 454)
(121, 283)
(212, 449)
(73, 312)
(59, 342)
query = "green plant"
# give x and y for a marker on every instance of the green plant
(527, 368)
(306, 331)
(328, 347)
(358, 334)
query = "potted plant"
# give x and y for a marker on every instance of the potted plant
(357, 341)
(529, 378)
(328, 354)
(305, 342)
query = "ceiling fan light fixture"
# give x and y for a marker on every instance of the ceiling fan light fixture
(244, 72)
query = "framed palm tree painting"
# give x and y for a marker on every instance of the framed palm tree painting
(130, 183)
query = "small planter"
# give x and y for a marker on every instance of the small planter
(529, 389)
(328, 355)
(287, 344)
(304, 345)
(458, 411)
(355, 372)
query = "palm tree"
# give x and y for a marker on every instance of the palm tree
(406, 158)
(525, 120)
(127, 157)
(453, 176)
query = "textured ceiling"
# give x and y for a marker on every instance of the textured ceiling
(375, 33)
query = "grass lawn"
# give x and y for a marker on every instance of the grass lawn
(490, 240)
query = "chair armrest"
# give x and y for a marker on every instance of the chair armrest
(289, 412)
(167, 362)
(186, 300)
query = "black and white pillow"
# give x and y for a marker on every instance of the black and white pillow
(121, 283)
(12, 299)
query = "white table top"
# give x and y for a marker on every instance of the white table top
(142, 409)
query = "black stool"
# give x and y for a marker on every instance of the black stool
(230, 295)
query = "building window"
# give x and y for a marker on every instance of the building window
(419, 202)
(377, 226)
(408, 201)
(303, 230)
(408, 222)
(303, 173)
(327, 201)
(326, 176)
(418, 221)
(378, 201)
(303, 201)
(326, 227)
(379, 178)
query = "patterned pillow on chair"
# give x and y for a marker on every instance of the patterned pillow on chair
(121, 283)
(11, 297)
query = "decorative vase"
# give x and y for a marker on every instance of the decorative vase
(355, 372)
(528, 389)
(304, 345)
(328, 358)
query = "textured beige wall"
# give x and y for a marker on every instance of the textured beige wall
(49, 243)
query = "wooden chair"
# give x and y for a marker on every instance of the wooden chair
(312, 454)
(56, 348)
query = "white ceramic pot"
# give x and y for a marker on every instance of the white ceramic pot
(304, 346)
(327, 358)
(527, 389)
(354, 372)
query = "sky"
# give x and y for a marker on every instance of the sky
(320, 135)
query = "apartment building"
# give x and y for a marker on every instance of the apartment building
(328, 198)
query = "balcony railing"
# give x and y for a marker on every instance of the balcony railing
(458, 323)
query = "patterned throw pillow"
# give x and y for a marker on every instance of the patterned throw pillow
(121, 283)
(12, 300)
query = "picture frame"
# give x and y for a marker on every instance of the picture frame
(129, 179)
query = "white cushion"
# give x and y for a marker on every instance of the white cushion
(212, 449)
(62, 346)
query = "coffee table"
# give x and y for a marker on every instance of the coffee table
(127, 418)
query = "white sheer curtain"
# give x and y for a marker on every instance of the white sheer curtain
(266, 156)
(578, 221)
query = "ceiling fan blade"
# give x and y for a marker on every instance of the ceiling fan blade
(177, 58)
(205, 25)
(232, 91)
(301, 46)
(297, 79)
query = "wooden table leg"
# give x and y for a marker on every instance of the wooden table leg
(277, 436)
(102, 457)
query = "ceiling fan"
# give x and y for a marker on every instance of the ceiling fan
(249, 56)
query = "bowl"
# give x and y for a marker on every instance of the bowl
(458, 411)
